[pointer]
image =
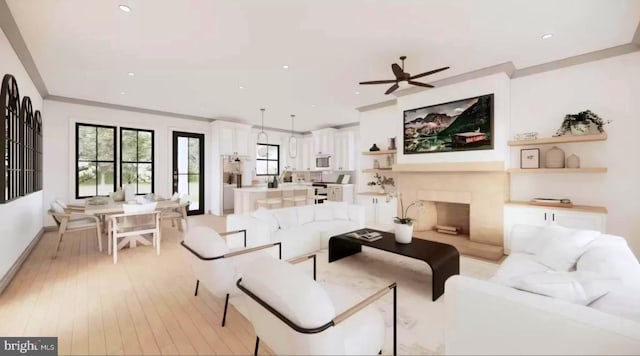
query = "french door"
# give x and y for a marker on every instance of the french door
(188, 169)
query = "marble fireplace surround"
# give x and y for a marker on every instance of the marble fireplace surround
(484, 186)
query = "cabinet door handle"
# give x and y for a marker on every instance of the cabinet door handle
(553, 217)
(545, 216)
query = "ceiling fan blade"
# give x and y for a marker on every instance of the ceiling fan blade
(392, 89)
(428, 73)
(397, 71)
(380, 81)
(421, 84)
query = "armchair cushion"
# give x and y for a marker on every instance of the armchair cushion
(206, 242)
(291, 292)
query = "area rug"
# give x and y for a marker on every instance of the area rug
(420, 321)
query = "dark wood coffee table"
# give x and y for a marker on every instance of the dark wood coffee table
(443, 259)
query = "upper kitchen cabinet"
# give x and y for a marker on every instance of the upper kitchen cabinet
(233, 138)
(323, 141)
(344, 156)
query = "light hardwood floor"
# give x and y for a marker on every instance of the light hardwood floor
(142, 305)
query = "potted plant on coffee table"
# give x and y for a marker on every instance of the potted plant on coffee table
(403, 225)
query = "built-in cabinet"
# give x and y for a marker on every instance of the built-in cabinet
(340, 192)
(344, 157)
(234, 138)
(304, 160)
(585, 218)
(323, 141)
(379, 210)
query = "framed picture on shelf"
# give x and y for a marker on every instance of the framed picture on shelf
(530, 158)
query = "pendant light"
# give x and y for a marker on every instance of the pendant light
(262, 136)
(293, 141)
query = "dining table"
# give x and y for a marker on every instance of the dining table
(104, 207)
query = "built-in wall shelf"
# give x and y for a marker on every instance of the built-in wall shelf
(373, 194)
(578, 208)
(558, 170)
(385, 152)
(377, 170)
(559, 139)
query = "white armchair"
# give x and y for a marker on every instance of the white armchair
(70, 219)
(294, 315)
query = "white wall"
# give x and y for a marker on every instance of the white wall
(59, 145)
(611, 89)
(21, 219)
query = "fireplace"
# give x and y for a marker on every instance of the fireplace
(445, 212)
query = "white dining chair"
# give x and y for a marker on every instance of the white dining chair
(137, 220)
(72, 219)
(179, 214)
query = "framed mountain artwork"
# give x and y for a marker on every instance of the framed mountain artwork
(461, 125)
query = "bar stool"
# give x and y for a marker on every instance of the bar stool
(296, 197)
(270, 198)
(319, 195)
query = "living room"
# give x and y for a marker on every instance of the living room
(253, 134)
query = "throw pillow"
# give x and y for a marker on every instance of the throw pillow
(515, 267)
(323, 213)
(574, 287)
(287, 217)
(544, 236)
(611, 256)
(306, 214)
(562, 252)
(266, 217)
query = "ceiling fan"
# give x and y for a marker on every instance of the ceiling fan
(402, 76)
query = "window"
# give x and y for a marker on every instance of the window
(267, 160)
(27, 146)
(10, 139)
(37, 151)
(136, 159)
(95, 160)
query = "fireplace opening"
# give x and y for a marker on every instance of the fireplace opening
(446, 218)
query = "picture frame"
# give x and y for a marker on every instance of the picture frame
(459, 125)
(530, 158)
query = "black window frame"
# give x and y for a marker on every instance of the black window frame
(115, 157)
(267, 159)
(10, 139)
(153, 167)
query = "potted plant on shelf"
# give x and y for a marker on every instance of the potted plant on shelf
(579, 124)
(382, 182)
(403, 225)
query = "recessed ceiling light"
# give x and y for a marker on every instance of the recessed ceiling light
(131, 74)
(241, 87)
(125, 8)
(285, 67)
(357, 93)
(122, 93)
(546, 36)
(313, 105)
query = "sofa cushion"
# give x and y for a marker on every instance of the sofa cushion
(323, 212)
(563, 247)
(340, 209)
(330, 228)
(267, 217)
(287, 217)
(611, 256)
(297, 240)
(575, 287)
(622, 300)
(306, 214)
(515, 267)
(291, 292)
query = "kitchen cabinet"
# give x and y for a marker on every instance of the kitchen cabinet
(379, 211)
(344, 155)
(584, 218)
(305, 154)
(340, 192)
(233, 138)
(228, 196)
(323, 141)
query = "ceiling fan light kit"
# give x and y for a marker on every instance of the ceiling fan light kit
(262, 136)
(403, 79)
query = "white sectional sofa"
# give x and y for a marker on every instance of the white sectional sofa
(561, 291)
(302, 229)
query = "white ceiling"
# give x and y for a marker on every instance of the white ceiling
(191, 56)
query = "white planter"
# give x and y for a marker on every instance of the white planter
(404, 233)
(579, 129)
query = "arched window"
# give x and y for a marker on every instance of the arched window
(26, 146)
(10, 139)
(37, 152)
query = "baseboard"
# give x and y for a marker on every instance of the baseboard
(4, 282)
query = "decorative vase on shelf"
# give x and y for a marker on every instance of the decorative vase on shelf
(555, 158)
(374, 148)
(579, 128)
(392, 143)
(376, 164)
(403, 232)
(573, 161)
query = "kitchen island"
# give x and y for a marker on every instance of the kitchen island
(245, 198)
